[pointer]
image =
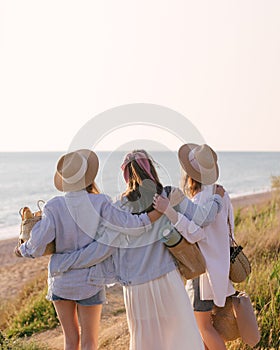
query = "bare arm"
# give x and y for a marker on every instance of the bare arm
(154, 215)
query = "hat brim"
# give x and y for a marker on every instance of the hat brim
(207, 176)
(88, 178)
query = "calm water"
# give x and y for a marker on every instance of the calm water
(27, 177)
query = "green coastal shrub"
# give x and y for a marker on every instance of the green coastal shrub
(35, 316)
(21, 345)
(29, 313)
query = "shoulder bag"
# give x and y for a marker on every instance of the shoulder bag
(189, 259)
(237, 319)
(240, 267)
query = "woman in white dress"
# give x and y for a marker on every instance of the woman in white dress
(158, 309)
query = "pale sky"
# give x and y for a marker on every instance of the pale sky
(63, 62)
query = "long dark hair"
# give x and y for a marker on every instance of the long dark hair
(137, 175)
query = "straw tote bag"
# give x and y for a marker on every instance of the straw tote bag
(189, 259)
(29, 219)
(240, 267)
(237, 319)
(224, 321)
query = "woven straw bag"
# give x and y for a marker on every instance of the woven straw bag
(224, 321)
(237, 320)
(191, 262)
(29, 219)
(246, 319)
(240, 267)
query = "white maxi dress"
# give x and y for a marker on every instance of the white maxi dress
(159, 312)
(160, 316)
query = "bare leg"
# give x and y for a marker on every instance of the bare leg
(89, 317)
(68, 317)
(211, 338)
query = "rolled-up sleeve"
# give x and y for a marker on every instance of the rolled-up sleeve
(202, 214)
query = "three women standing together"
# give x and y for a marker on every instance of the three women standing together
(98, 242)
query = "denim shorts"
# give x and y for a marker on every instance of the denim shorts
(96, 299)
(193, 290)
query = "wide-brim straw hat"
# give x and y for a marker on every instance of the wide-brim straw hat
(199, 162)
(76, 170)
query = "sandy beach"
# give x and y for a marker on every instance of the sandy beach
(15, 272)
(251, 199)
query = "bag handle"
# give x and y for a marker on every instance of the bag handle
(20, 212)
(40, 204)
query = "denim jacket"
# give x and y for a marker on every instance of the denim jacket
(74, 221)
(137, 259)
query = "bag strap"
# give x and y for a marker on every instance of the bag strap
(229, 226)
(233, 242)
(167, 190)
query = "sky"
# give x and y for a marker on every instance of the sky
(64, 62)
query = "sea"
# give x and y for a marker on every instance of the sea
(26, 177)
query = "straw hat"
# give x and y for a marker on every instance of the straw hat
(76, 170)
(199, 162)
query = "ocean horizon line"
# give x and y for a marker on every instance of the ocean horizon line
(12, 231)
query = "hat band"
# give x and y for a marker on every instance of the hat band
(79, 174)
(194, 161)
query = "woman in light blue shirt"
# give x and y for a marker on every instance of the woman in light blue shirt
(73, 221)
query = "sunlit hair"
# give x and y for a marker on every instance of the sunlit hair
(137, 175)
(189, 186)
(92, 188)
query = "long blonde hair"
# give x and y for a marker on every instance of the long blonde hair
(92, 188)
